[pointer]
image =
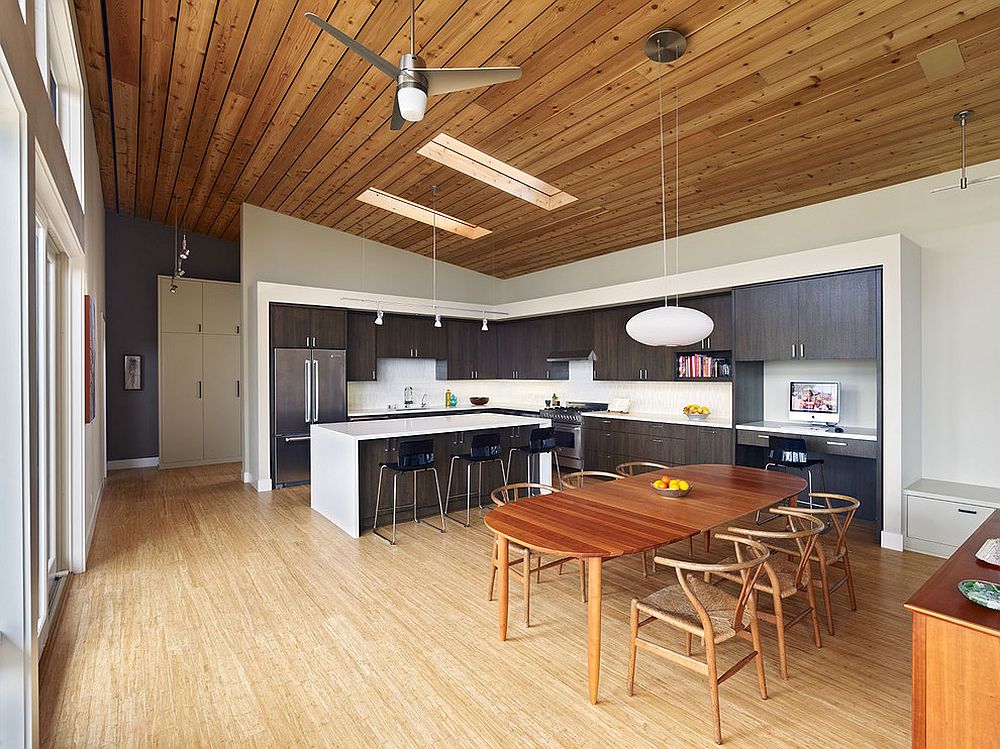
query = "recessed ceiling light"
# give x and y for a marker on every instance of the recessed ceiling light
(417, 212)
(465, 159)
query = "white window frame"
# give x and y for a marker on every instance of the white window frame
(60, 59)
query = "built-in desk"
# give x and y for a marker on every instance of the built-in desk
(850, 457)
(857, 442)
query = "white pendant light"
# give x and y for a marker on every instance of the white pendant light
(669, 325)
(412, 103)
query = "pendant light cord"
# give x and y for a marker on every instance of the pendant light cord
(434, 272)
(176, 260)
(663, 187)
(677, 193)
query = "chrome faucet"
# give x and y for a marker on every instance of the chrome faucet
(408, 396)
(423, 401)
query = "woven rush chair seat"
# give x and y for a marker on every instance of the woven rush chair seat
(672, 605)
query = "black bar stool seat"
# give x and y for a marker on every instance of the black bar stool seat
(485, 448)
(541, 440)
(413, 457)
(790, 453)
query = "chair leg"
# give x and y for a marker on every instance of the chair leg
(708, 541)
(555, 459)
(779, 625)
(583, 581)
(468, 495)
(814, 613)
(633, 635)
(526, 575)
(395, 494)
(437, 484)
(447, 501)
(378, 499)
(691, 546)
(759, 658)
(713, 688)
(643, 555)
(687, 643)
(827, 604)
(493, 570)
(850, 581)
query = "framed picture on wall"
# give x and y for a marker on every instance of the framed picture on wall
(133, 371)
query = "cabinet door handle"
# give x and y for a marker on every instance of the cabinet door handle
(793, 350)
(237, 388)
(763, 437)
(237, 330)
(315, 391)
(199, 327)
(308, 391)
(802, 351)
(199, 388)
(373, 374)
(839, 444)
(967, 512)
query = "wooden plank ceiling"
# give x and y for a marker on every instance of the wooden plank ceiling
(784, 103)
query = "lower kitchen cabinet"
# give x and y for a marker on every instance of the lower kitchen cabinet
(609, 442)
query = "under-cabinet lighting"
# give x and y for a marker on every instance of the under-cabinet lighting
(470, 161)
(408, 208)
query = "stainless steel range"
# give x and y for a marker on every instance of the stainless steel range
(568, 423)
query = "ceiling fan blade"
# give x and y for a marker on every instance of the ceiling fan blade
(446, 80)
(397, 121)
(379, 62)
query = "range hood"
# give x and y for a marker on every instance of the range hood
(572, 355)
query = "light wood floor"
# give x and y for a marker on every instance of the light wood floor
(214, 616)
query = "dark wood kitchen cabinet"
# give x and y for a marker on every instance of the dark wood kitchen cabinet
(300, 326)
(410, 337)
(720, 308)
(709, 445)
(472, 351)
(835, 316)
(620, 357)
(523, 347)
(361, 357)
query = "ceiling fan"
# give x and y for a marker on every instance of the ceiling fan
(414, 81)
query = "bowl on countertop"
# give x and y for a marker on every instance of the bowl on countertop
(479, 401)
(671, 493)
(697, 417)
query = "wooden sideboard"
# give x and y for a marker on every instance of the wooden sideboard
(956, 654)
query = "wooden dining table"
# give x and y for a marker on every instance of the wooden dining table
(615, 518)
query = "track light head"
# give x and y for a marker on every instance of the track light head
(437, 319)
(378, 316)
(173, 288)
(486, 325)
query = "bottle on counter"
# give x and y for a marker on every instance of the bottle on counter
(555, 399)
(447, 397)
(454, 400)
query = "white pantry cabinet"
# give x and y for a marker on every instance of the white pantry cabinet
(199, 368)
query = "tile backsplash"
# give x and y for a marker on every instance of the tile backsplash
(649, 397)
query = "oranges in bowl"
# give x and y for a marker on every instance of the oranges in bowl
(669, 486)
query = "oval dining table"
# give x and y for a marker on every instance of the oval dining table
(616, 518)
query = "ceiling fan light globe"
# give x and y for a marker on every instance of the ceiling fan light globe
(669, 326)
(412, 103)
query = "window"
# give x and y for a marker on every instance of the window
(64, 79)
(54, 95)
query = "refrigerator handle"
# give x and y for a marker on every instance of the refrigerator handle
(308, 390)
(315, 391)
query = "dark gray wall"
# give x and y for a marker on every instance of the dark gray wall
(135, 252)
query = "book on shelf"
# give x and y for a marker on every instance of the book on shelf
(702, 366)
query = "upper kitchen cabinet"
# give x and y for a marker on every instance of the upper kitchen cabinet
(411, 337)
(472, 351)
(329, 327)
(298, 326)
(573, 331)
(180, 311)
(220, 308)
(826, 317)
(620, 357)
(839, 316)
(361, 362)
(720, 308)
(523, 347)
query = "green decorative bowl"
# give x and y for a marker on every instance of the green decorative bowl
(982, 592)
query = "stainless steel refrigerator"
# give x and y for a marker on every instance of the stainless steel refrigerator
(310, 387)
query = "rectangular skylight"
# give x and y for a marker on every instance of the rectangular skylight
(464, 158)
(408, 208)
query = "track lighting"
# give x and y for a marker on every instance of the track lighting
(486, 325)
(184, 248)
(181, 272)
(173, 288)
(437, 319)
(378, 315)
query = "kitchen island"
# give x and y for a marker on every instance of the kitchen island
(345, 460)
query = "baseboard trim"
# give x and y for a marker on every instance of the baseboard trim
(892, 541)
(121, 465)
(264, 485)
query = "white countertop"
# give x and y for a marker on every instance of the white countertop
(711, 421)
(391, 428)
(437, 409)
(805, 430)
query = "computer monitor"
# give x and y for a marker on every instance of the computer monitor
(814, 401)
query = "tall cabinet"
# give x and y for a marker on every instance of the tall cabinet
(199, 372)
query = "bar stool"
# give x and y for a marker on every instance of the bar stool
(414, 456)
(790, 452)
(485, 449)
(541, 440)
